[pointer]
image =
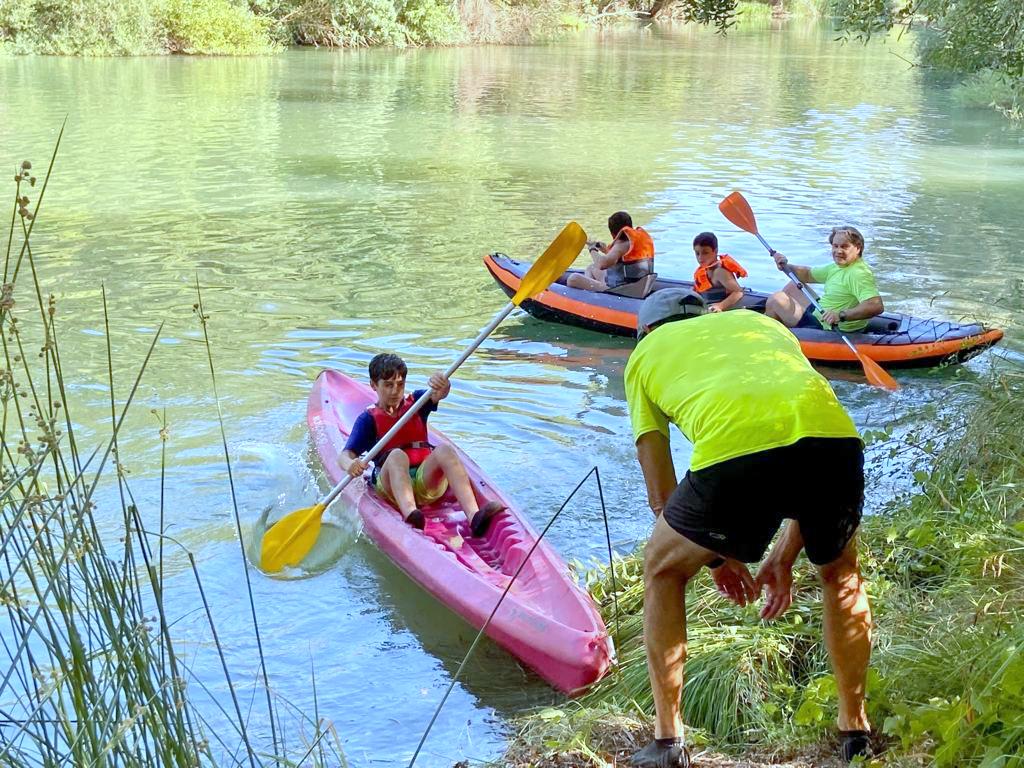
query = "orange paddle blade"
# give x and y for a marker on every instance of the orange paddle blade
(552, 263)
(876, 375)
(737, 210)
(290, 539)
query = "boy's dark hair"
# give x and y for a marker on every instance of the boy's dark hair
(385, 365)
(706, 238)
(851, 232)
(617, 221)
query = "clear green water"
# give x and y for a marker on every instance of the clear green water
(337, 204)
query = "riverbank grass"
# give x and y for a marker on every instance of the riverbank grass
(945, 569)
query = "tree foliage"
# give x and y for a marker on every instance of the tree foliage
(983, 39)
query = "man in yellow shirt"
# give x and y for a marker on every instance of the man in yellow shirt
(760, 419)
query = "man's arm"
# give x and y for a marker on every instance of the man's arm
(803, 274)
(775, 575)
(863, 311)
(655, 457)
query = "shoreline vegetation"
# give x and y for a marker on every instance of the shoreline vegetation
(945, 570)
(96, 673)
(980, 42)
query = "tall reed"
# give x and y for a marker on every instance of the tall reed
(92, 676)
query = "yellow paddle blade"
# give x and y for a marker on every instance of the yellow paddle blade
(289, 540)
(552, 263)
(876, 375)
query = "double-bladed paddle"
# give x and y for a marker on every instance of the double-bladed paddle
(292, 537)
(737, 210)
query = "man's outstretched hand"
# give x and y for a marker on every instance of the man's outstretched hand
(776, 579)
(735, 582)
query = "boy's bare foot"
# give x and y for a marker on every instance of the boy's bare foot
(482, 519)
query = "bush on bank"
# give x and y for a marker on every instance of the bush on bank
(143, 27)
(980, 39)
(945, 568)
(131, 27)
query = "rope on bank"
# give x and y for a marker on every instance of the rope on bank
(483, 629)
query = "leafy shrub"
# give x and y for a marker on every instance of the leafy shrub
(79, 27)
(213, 27)
(429, 22)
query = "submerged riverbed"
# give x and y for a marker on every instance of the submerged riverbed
(336, 204)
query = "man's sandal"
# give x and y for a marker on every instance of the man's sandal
(854, 744)
(662, 753)
(416, 519)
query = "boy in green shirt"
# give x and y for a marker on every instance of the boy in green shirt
(850, 298)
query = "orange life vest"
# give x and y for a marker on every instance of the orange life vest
(637, 262)
(641, 246)
(411, 438)
(702, 277)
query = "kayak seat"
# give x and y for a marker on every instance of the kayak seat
(638, 289)
(514, 557)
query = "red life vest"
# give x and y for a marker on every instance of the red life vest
(411, 438)
(702, 277)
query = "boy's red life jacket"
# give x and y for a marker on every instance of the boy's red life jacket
(702, 277)
(637, 262)
(411, 438)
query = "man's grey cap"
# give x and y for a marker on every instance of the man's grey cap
(668, 303)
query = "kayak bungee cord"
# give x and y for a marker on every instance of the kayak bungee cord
(611, 560)
(480, 634)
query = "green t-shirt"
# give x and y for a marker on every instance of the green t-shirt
(845, 287)
(735, 383)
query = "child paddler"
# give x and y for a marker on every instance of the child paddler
(628, 258)
(410, 472)
(715, 278)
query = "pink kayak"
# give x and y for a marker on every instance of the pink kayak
(546, 620)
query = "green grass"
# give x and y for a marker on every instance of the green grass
(945, 570)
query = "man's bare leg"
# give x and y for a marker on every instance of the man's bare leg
(670, 561)
(847, 625)
(787, 306)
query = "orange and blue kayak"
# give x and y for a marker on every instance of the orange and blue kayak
(546, 620)
(890, 339)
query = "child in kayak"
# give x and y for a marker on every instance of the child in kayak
(410, 472)
(629, 258)
(715, 278)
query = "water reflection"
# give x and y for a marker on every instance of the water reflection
(335, 204)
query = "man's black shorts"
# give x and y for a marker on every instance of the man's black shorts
(734, 508)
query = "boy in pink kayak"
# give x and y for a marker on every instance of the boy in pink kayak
(410, 472)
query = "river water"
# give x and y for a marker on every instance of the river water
(336, 204)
